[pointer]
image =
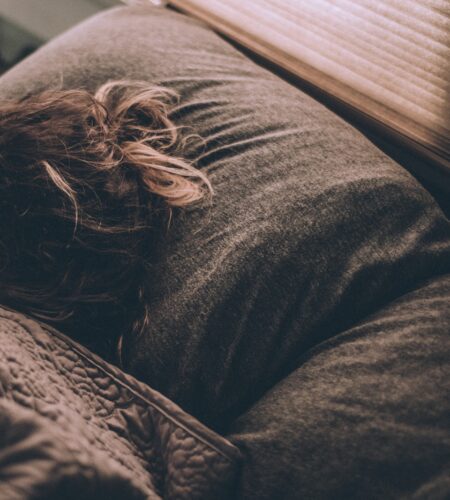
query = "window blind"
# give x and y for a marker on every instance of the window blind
(388, 59)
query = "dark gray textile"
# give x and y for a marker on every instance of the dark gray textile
(312, 228)
(366, 415)
(74, 427)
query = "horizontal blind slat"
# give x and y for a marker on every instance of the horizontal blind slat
(388, 58)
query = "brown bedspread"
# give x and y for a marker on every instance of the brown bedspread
(72, 426)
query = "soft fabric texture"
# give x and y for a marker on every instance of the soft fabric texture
(312, 230)
(366, 415)
(72, 426)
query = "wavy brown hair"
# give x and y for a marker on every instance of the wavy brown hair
(85, 181)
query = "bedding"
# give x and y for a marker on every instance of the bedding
(72, 426)
(364, 415)
(312, 231)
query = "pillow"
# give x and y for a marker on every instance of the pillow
(365, 415)
(311, 228)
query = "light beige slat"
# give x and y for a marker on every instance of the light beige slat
(412, 19)
(359, 61)
(368, 45)
(439, 6)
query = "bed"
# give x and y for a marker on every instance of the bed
(303, 317)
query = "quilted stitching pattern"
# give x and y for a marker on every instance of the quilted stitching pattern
(105, 416)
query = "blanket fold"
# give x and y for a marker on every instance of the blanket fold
(73, 426)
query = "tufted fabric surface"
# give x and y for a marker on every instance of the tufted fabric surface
(72, 426)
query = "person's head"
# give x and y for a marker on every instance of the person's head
(84, 180)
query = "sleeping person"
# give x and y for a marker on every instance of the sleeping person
(86, 180)
(302, 310)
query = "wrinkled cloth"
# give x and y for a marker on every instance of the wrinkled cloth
(312, 228)
(72, 426)
(308, 300)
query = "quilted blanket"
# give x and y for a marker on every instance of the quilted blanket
(73, 426)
